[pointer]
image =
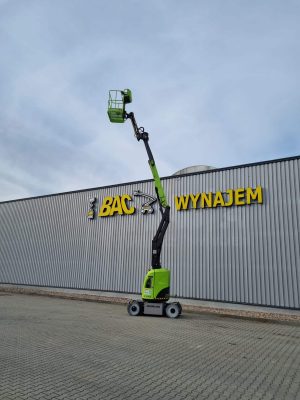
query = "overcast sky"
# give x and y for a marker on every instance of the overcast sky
(213, 82)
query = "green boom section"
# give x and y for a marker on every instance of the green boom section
(158, 185)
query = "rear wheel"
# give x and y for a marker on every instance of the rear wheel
(173, 310)
(134, 308)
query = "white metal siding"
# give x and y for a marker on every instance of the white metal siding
(244, 254)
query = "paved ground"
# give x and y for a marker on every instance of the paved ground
(199, 306)
(63, 349)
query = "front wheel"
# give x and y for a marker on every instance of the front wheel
(134, 308)
(173, 310)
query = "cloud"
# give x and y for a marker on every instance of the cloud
(213, 83)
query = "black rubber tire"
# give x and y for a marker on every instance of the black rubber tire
(134, 309)
(173, 310)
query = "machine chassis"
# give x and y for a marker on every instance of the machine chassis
(140, 307)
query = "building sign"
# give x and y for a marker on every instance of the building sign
(123, 204)
(232, 197)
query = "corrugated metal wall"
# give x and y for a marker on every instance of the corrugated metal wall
(244, 254)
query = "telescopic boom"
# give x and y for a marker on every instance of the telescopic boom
(164, 207)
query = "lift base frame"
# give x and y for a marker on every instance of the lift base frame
(153, 308)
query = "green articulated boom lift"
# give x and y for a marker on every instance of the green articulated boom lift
(156, 285)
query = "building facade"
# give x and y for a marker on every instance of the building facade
(234, 236)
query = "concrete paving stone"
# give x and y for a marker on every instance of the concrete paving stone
(60, 349)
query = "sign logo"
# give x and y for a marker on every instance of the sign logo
(120, 204)
(147, 206)
(91, 211)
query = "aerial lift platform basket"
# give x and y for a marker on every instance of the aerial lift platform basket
(116, 105)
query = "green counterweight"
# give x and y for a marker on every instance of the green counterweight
(156, 285)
